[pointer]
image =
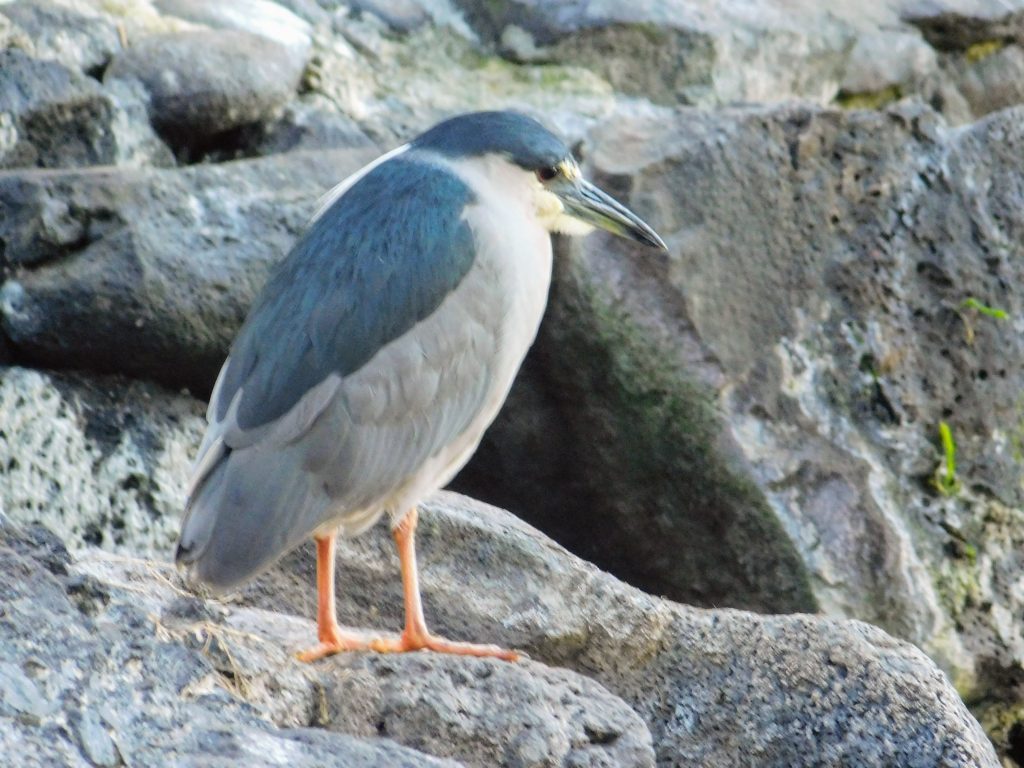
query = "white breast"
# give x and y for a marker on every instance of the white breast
(514, 249)
(512, 242)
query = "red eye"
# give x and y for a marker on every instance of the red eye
(547, 174)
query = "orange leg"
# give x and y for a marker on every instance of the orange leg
(416, 636)
(332, 638)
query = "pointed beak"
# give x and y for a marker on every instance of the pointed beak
(584, 201)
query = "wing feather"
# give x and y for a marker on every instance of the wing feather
(369, 351)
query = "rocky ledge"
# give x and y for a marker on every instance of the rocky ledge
(136, 669)
(109, 658)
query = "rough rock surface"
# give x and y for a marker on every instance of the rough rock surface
(55, 117)
(203, 83)
(680, 51)
(112, 685)
(258, 17)
(104, 461)
(77, 37)
(810, 689)
(791, 359)
(101, 240)
(792, 677)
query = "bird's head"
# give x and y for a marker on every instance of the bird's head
(564, 201)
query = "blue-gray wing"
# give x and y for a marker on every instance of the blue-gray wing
(369, 350)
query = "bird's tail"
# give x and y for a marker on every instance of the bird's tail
(247, 508)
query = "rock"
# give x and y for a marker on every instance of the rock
(259, 17)
(686, 52)
(310, 123)
(179, 254)
(982, 54)
(682, 51)
(402, 15)
(19, 696)
(310, 11)
(672, 664)
(956, 25)
(485, 713)
(104, 462)
(835, 290)
(809, 689)
(51, 116)
(113, 686)
(79, 38)
(204, 82)
(989, 80)
(887, 60)
(855, 692)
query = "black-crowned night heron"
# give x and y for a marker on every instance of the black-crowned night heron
(380, 350)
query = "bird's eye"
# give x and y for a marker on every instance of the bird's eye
(547, 174)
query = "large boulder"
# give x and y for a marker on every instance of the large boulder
(760, 409)
(52, 116)
(709, 687)
(718, 687)
(89, 675)
(810, 689)
(680, 51)
(267, 19)
(202, 83)
(151, 272)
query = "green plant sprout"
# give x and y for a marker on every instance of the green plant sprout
(972, 303)
(994, 312)
(945, 479)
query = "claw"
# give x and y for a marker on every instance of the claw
(412, 641)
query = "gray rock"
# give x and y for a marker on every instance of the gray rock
(888, 59)
(120, 688)
(51, 116)
(104, 462)
(682, 51)
(205, 82)
(791, 359)
(311, 11)
(807, 687)
(306, 124)
(982, 55)
(810, 690)
(473, 710)
(956, 25)
(18, 694)
(402, 16)
(80, 38)
(179, 253)
(989, 82)
(259, 17)
(94, 739)
(714, 687)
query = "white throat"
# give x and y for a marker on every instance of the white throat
(498, 179)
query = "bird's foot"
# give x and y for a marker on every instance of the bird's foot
(334, 640)
(411, 640)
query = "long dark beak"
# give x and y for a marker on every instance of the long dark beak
(584, 201)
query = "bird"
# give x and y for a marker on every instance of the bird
(379, 351)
